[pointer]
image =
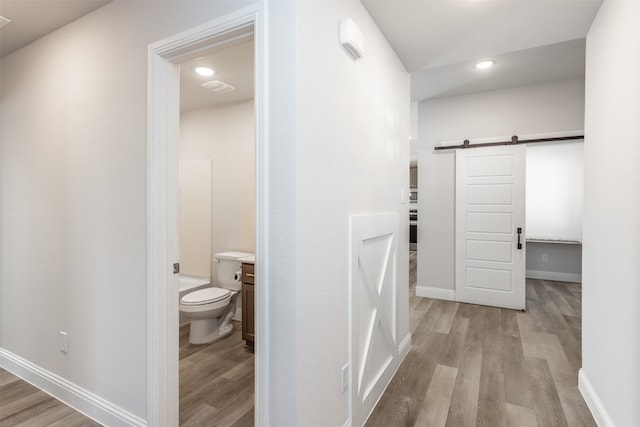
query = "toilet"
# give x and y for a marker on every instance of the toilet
(211, 309)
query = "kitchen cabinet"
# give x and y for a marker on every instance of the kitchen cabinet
(248, 304)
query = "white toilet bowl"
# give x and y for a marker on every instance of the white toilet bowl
(210, 310)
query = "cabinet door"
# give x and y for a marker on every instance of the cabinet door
(248, 313)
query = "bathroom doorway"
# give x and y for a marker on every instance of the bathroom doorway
(217, 215)
(166, 58)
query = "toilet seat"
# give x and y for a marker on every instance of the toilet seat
(205, 296)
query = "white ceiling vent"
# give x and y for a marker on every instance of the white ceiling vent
(4, 21)
(218, 86)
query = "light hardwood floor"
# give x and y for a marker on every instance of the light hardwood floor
(216, 389)
(22, 404)
(469, 366)
(216, 382)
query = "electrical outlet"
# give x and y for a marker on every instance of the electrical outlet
(345, 377)
(545, 257)
(63, 342)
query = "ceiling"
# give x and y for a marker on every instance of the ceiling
(233, 65)
(232, 61)
(32, 19)
(438, 41)
(532, 41)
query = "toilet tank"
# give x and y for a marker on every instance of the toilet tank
(228, 268)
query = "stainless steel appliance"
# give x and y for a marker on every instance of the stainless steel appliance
(413, 229)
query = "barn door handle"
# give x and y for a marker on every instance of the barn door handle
(519, 234)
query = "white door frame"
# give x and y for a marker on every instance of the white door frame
(162, 201)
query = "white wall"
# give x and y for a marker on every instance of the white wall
(194, 221)
(73, 194)
(611, 246)
(554, 191)
(554, 261)
(226, 136)
(352, 154)
(551, 107)
(280, 259)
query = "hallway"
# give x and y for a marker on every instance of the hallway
(469, 366)
(482, 366)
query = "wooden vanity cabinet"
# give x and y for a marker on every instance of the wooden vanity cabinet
(248, 312)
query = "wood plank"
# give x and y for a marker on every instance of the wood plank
(21, 398)
(435, 407)
(7, 377)
(446, 317)
(476, 315)
(417, 312)
(396, 410)
(547, 405)
(424, 330)
(464, 401)
(451, 353)
(559, 299)
(48, 412)
(517, 416)
(198, 416)
(491, 398)
(247, 420)
(516, 381)
(509, 323)
(22, 404)
(531, 344)
(399, 405)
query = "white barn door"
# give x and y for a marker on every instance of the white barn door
(373, 341)
(490, 219)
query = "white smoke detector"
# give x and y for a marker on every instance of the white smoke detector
(351, 38)
(218, 86)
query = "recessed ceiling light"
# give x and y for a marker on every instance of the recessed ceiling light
(484, 64)
(4, 21)
(204, 71)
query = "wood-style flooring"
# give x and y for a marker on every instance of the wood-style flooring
(216, 389)
(216, 382)
(471, 365)
(22, 404)
(468, 366)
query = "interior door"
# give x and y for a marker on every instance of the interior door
(490, 218)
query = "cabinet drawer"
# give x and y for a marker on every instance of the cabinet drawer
(247, 274)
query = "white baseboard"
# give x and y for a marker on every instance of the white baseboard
(437, 293)
(404, 347)
(555, 276)
(81, 400)
(596, 407)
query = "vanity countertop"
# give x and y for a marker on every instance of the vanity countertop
(248, 260)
